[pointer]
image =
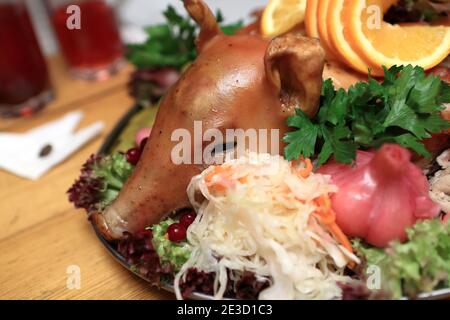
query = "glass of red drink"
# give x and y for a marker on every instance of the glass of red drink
(24, 82)
(88, 35)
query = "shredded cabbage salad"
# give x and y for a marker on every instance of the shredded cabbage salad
(259, 213)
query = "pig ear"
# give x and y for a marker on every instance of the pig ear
(294, 66)
(204, 17)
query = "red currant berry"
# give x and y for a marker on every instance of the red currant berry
(133, 155)
(176, 232)
(187, 218)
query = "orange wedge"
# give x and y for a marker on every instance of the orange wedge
(380, 43)
(281, 16)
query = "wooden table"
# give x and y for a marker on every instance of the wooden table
(42, 235)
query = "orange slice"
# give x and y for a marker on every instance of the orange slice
(325, 40)
(380, 43)
(281, 16)
(311, 25)
(339, 37)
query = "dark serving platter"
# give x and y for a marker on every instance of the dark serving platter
(106, 148)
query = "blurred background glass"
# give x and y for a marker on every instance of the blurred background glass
(94, 50)
(24, 81)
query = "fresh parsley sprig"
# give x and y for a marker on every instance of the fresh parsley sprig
(403, 109)
(171, 44)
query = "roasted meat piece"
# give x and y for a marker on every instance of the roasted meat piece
(242, 81)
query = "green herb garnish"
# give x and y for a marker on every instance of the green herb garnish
(228, 29)
(404, 109)
(171, 44)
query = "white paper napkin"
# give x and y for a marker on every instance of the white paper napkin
(33, 153)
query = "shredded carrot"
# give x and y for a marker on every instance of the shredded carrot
(300, 200)
(306, 171)
(216, 170)
(224, 171)
(218, 188)
(210, 175)
(243, 179)
(337, 232)
(325, 213)
(328, 217)
(324, 203)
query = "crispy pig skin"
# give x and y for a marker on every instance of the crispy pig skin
(242, 81)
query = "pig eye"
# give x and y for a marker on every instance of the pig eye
(219, 154)
(223, 148)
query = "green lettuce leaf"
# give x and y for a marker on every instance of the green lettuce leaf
(173, 253)
(421, 264)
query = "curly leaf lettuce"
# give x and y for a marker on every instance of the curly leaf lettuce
(100, 181)
(173, 253)
(113, 170)
(419, 265)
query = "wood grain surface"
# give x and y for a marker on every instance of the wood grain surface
(42, 235)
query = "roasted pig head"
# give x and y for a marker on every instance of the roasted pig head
(241, 81)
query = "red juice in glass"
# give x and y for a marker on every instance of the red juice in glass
(24, 83)
(95, 50)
